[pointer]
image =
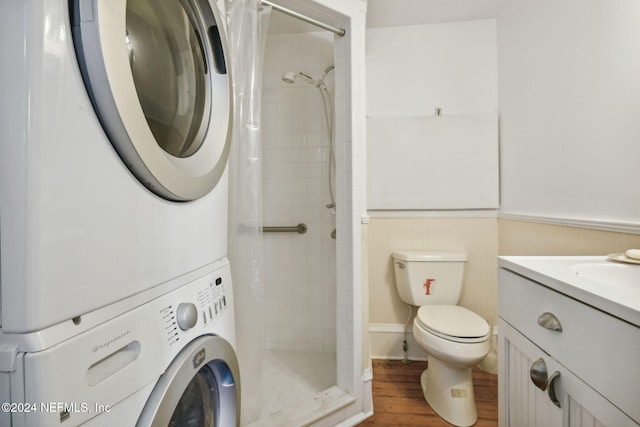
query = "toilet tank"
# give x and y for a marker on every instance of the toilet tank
(429, 278)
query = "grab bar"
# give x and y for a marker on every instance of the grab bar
(300, 229)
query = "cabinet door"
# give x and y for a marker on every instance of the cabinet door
(523, 404)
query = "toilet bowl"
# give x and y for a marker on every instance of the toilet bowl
(453, 349)
(454, 337)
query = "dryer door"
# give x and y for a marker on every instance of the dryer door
(156, 74)
(201, 387)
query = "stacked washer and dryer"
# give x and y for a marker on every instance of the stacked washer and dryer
(117, 303)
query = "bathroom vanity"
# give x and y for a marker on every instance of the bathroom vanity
(569, 342)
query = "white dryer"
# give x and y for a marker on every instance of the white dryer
(170, 361)
(114, 138)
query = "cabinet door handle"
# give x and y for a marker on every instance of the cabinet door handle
(538, 374)
(551, 390)
(549, 321)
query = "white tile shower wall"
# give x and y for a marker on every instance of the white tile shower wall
(299, 270)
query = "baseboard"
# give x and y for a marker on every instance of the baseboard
(367, 375)
(387, 339)
(387, 342)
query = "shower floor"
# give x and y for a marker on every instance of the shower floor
(297, 387)
(290, 376)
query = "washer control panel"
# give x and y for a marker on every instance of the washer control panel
(196, 305)
(212, 300)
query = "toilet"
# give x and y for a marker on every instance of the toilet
(454, 337)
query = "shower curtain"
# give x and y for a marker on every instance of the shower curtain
(247, 23)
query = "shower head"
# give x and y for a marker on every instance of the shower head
(290, 77)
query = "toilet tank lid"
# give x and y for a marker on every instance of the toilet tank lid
(428, 256)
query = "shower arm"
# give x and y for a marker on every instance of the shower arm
(326, 71)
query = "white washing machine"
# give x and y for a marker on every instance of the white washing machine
(114, 138)
(168, 362)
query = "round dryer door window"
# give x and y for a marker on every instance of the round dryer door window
(199, 388)
(155, 71)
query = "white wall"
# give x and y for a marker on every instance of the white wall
(412, 70)
(566, 148)
(569, 85)
(417, 160)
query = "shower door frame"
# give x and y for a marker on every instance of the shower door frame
(353, 370)
(349, 60)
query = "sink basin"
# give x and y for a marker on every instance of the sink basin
(609, 274)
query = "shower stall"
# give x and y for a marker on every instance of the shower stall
(298, 187)
(293, 242)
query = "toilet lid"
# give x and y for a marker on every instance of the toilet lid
(452, 322)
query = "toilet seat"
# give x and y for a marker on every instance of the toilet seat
(453, 323)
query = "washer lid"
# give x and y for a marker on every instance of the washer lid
(452, 321)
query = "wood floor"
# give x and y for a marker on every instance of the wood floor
(398, 399)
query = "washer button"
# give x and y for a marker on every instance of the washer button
(187, 315)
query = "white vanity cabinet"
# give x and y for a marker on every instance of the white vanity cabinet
(562, 362)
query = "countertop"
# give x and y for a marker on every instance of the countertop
(568, 275)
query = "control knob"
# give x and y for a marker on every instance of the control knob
(187, 315)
